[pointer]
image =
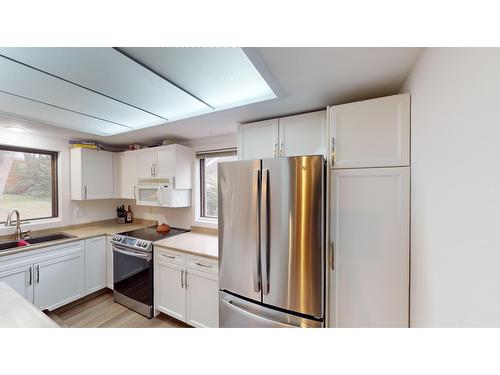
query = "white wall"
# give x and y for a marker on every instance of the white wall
(455, 247)
(91, 210)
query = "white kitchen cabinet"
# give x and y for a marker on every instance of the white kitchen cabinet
(371, 133)
(95, 264)
(369, 227)
(202, 299)
(126, 168)
(304, 134)
(172, 162)
(19, 278)
(186, 287)
(92, 174)
(170, 295)
(109, 263)
(146, 160)
(59, 280)
(258, 140)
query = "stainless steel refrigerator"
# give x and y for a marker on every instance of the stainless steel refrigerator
(272, 242)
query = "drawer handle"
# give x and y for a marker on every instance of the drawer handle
(168, 256)
(203, 265)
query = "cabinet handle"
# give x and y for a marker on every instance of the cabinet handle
(85, 188)
(332, 256)
(275, 149)
(31, 275)
(168, 256)
(38, 274)
(182, 279)
(281, 149)
(186, 279)
(135, 188)
(333, 152)
(152, 175)
(203, 265)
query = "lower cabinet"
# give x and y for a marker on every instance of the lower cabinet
(95, 264)
(186, 288)
(202, 290)
(58, 281)
(171, 295)
(370, 233)
(19, 278)
(50, 277)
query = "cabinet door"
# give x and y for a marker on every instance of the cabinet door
(370, 211)
(109, 263)
(258, 140)
(126, 172)
(165, 163)
(372, 133)
(145, 161)
(170, 295)
(303, 134)
(202, 292)
(98, 178)
(19, 278)
(95, 264)
(59, 281)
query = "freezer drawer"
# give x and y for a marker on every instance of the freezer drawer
(235, 312)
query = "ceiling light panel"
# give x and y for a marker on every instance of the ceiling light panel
(30, 110)
(109, 72)
(221, 77)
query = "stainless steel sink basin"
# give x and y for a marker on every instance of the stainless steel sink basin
(48, 238)
(34, 240)
(8, 245)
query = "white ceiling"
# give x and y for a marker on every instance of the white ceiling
(305, 79)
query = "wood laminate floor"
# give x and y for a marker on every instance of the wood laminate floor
(102, 311)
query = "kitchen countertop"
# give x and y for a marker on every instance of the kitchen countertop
(17, 312)
(196, 243)
(81, 232)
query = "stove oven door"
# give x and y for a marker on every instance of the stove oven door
(133, 279)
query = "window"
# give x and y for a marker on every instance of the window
(208, 179)
(28, 183)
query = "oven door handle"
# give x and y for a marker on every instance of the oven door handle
(132, 254)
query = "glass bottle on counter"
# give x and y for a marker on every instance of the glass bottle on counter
(130, 217)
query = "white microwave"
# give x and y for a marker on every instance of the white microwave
(162, 195)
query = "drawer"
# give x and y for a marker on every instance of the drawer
(203, 264)
(169, 255)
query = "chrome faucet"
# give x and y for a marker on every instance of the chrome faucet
(19, 233)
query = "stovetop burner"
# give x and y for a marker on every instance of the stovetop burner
(150, 233)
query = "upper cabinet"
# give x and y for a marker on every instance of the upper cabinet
(126, 174)
(91, 174)
(258, 140)
(172, 162)
(371, 133)
(304, 134)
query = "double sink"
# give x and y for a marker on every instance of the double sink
(10, 245)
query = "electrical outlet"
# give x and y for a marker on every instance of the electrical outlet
(78, 212)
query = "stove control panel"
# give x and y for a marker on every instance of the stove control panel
(132, 242)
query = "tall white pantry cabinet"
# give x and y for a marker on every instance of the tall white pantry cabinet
(370, 213)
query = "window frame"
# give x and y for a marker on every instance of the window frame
(201, 157)
(54, 155)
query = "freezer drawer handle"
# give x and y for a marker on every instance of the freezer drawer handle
(232, 306)
(256, 264)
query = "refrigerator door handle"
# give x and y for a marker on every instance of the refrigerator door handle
(255, 207)
(240, 310)
(264, 232)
